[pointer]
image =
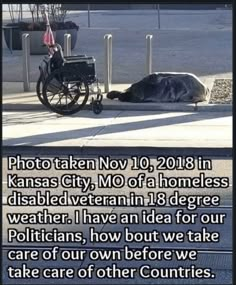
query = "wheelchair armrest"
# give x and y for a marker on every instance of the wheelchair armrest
(75, 57)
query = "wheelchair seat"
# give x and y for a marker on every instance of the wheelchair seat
(58, 58)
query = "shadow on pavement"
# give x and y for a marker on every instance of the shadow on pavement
(111, 129)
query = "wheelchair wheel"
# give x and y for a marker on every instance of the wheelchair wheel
(39, 89)
(65, 92)
(97, 107)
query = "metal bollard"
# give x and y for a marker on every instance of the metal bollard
(89, 24)
(26, 61)
(21, 12)
(110, 59)
(149, 54)
(67, 44)
(11, 40)
(108, 62)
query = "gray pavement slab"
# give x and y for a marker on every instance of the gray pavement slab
(15, 99)
(219, 152)
(121, 129)
(185, 43)
(170, 19)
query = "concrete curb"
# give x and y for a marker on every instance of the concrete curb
(178, 107)
(117, 151)
(115, 105)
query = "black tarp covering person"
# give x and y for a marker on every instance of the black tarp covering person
(164, 87)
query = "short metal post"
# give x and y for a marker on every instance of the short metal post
(21, 12)
(11, 39)
(110, 59)
(149, 54)
(67, 44)
(108, 62)
(26, 61)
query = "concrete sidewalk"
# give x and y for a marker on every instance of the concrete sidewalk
(15, 99)
(120, 132)
(121, 128)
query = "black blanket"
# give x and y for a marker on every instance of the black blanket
(164, 87)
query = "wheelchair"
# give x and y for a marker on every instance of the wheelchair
(64, 81)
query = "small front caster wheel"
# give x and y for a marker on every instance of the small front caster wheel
(97, 107)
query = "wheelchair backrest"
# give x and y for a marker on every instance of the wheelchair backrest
(57, 58)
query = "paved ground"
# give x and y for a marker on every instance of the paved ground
(16, 99)
(26, 122)
(119, 129)
(189, 41)
(169, 19)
